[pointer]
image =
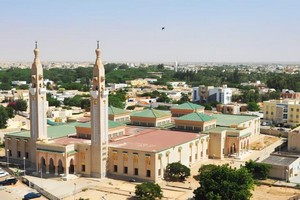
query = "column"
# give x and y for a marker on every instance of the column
(47, 168)
(56, 170)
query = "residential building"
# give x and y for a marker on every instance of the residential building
(206, 94)
(285, 111)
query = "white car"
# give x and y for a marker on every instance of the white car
(3, 173)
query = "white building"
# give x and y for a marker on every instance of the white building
(210, 93)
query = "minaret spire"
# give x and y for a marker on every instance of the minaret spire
(99, 119)
(36, 43)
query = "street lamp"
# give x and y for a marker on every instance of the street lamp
(287, 173)
(41, 176)
(7, 150)
(24, 159)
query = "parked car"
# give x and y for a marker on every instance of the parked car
(3, 173)
(32, 195)
(9, 181)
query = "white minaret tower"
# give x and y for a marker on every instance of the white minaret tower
(38, 105)
(38, 101)
(99, 119)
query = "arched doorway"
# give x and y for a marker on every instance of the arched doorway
(232, 148)
(71, 168)
(60, 167)
(51, 166)
(43, 164)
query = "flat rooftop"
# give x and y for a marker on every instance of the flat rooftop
(280, 160)
(64, 141)
(151, 140)
(228, 120)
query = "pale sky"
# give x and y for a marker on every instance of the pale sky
(130, 30)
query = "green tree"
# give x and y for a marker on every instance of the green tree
(258, 170)
(252, 106)
(148, 191)
(21, 105)
(3, 117)
(74, 101)
(163, 98)
(224, 183)
(117, 99)
(10, 112)
(18, 105)
(52, 101)
(85, 104)
(177, 170)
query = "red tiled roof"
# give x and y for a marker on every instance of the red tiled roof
(154, 140)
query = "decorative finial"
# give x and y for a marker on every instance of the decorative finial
(97, 44)
(36, 43)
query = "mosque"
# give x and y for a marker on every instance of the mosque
(104, 147)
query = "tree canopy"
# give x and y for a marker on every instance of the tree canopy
(3, 117)
(177, 170)
(258, 170)
(148, 191)
(224, 183)
(18, 105)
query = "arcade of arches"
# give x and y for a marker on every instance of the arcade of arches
(56, 164)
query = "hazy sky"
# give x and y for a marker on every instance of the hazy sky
(130, 30)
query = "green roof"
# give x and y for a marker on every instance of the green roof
(151, 113)
(188, 106)
(116, 111)
(52, 131)
(195, 116)
(111, 124)
(63, 130)
(228, 120)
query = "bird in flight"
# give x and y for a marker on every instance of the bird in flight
(162, 28)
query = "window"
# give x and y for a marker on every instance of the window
(292, 109)
(83, 168)
(19, 154)
(10, 154)
(125, 170)
(115, 168)
(190, 158)
(148, 173)
(196, 156)
(136, 171)
(297, 110)
(27, 155)
(159, 172)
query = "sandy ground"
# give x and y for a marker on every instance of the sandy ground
(264, 192)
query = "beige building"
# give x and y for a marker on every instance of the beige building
(233, 135)
(186, 108)
(283, 166)
(146, 155)
(233, 108)
(99, 147)
(195, 122)
(285, 111)
(150, 117)
(118, 115)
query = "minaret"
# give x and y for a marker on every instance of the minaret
(99, 119)
(38, 104)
